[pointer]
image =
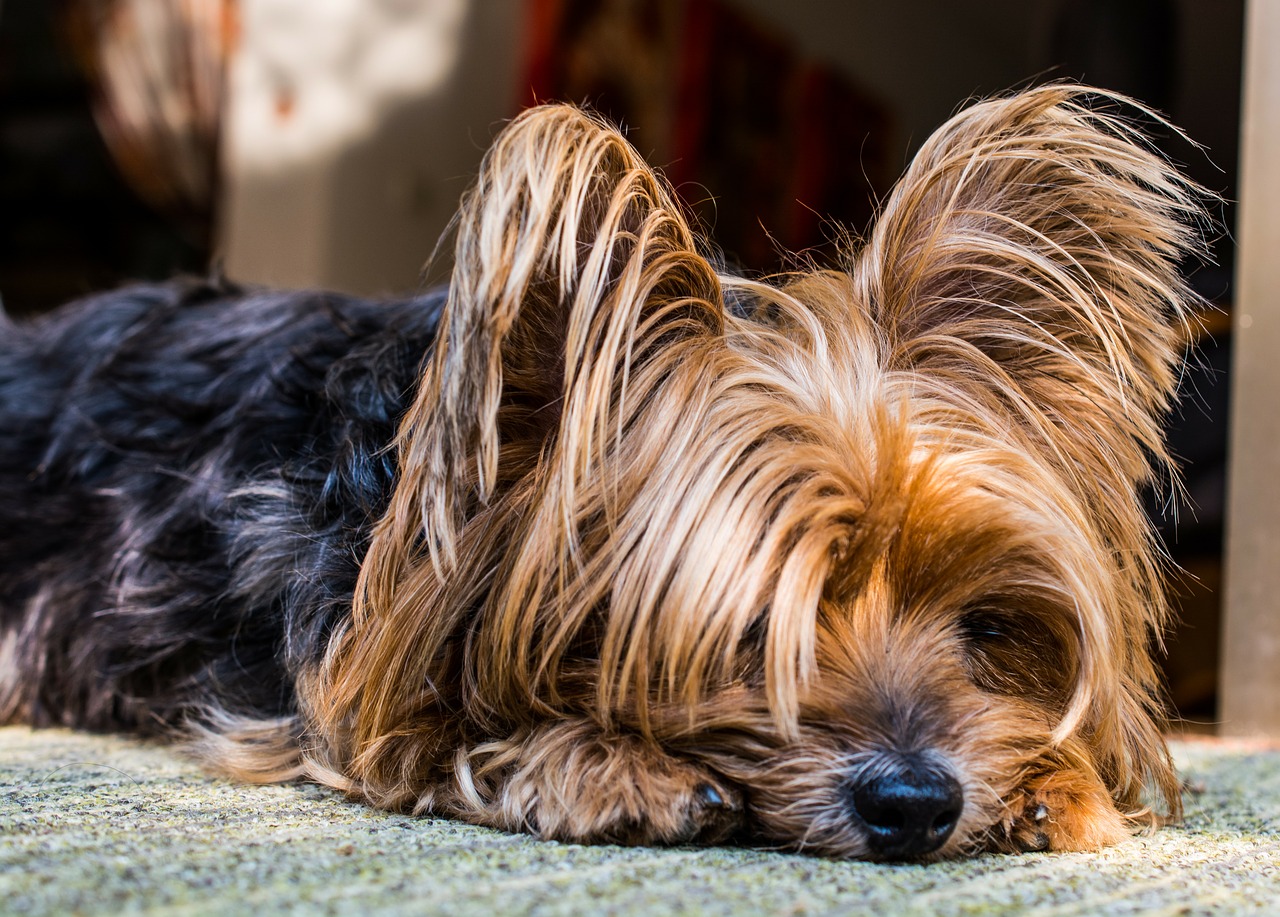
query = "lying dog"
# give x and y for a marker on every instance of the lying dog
(605, 545)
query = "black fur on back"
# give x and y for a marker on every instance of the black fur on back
(188, 476)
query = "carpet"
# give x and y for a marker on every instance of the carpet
(100, 824)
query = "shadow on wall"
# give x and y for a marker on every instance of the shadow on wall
(353, 129)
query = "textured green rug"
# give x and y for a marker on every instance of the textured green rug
(97, 825)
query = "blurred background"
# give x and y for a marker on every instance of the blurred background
(325, 143)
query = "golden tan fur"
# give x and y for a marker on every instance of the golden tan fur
(677, 555)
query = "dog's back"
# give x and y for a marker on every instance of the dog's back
(166, 454)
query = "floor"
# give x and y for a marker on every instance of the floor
(94, 825)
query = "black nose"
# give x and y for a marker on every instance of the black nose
(909, 809)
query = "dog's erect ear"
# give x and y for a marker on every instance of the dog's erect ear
(572, 263)
(1030, 254)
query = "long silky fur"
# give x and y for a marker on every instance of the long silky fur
(614, 517)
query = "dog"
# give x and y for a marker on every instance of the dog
(606, 544)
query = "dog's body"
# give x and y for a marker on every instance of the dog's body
(189, 476)
(612, 547)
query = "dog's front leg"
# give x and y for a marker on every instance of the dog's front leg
(572, 780)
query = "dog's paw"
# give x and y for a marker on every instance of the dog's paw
(686, 805)
(575, 783)
(1062, 810)
(625, 791)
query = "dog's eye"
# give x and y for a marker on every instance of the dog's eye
(1016, 653)
(982, 626)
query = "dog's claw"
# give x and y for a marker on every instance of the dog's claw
(1036, 842)
(717, 813)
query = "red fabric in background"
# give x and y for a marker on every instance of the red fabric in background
(765, 145)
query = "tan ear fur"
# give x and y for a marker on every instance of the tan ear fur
(1036, 239)
(560, 245)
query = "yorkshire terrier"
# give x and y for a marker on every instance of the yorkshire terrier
(604, 544)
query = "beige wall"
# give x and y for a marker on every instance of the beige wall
(353, 127)
(1251, 636)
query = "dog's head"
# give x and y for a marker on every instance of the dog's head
(864, 544)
